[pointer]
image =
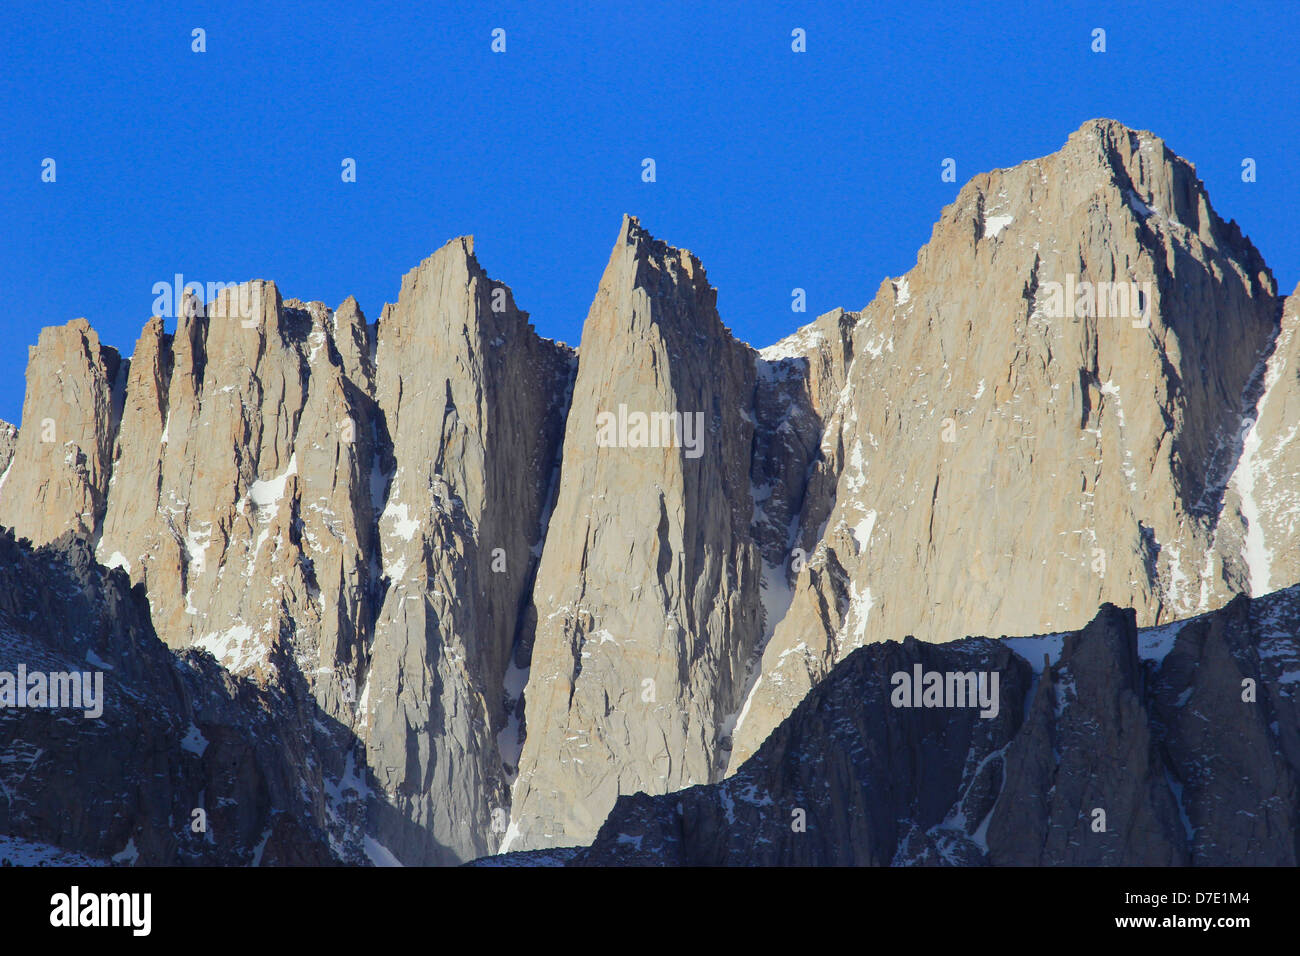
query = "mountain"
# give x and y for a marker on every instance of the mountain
(314, 500)
(1005, 470)
(520, 582)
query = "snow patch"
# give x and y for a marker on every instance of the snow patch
(404, 526)
(194, 742)
(235, 649)
(510, 739)
(860, 605)
(796, 345)
(266, 494)
(1155, 643)
(261, 847)
(862, 531)
(379, 854)
(995, 224)
(129, 853)
(1248, 478)
(512, 834)
(22, 852)
(94, 660)
(903, 290)
(776, 595)
(196, 544)
(1176, 789)
(118, 560)
(1033, 649)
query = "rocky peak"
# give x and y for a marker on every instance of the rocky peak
(1054, 395)
(472, 403)
(647, 602)
(58, 475)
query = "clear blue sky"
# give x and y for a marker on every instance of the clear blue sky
(818, 170)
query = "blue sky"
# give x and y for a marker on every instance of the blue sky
(819, 170)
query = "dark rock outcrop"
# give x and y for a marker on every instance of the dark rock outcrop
(1166, 746)
(186, 764)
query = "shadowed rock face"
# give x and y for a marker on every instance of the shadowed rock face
(1148, 727)
(177, 734)
(442, 534)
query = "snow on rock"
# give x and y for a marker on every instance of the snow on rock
(1247, 479)
(995, 224)
(118, 560)
(1034, 649)
(379, 854)
(128, 855)
(795, 345)
(903, 291)
(22, 852)
(1137, 205)
(266, 494)
(404, 526)
(235, 649)
(194, 742)
(1155, 643)
(862, 531)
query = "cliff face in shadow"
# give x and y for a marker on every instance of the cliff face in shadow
(1110, 746)
(176, 761)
